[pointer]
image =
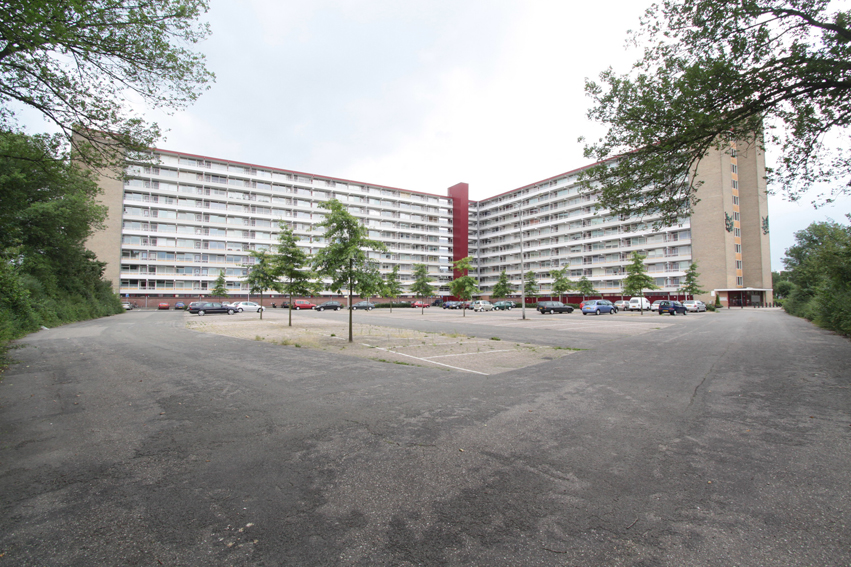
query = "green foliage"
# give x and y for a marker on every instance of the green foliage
(422, 287)
(530, 286)
(73, 62)
(464, 287)
(503, 287)
(49, 209)
(345, 258)
(819, 268)
(263, 274)
(293, 268)
(637, 280)
(690, 285)
(781, 284)
(561, 283)
(585, 287)
(717, 71)
(220, 289)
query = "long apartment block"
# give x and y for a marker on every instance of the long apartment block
(174, 228)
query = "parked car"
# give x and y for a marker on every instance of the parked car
(655, 305)
(622, 304)
(553, 307)
(165, 306)
(481, 305)
(335, 305)
(452, 305)
(598, 306)
(695, 305)
(193, 304)
(127, 306)
(205, 307)
(504, 305)
(364, 305)
(248, 306)
(639, 304)
(419, 304)
(303, 304)
(672, 307)
(437, 302)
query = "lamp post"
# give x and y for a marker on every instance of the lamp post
(522, 281)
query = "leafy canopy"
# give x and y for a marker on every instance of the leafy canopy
(585, 286)
(713, 71)
(561, 283)
(530, 287)
(466, 286)
(637, 279)
(220, 289)
(422, 287)
(503, 287)
(690, 284)
(77, 63)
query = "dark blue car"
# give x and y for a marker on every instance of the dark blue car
(672, 307)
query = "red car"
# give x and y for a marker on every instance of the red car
(303, 304)
(419, 304)
(163, 306)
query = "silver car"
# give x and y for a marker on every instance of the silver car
(694, 305)
(241, 306)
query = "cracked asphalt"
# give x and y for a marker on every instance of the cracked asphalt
(713, 439)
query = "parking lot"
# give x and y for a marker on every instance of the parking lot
(711, 439)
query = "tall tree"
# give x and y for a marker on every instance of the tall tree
(345, 258)
(422, 287)
(561, 283)
(262, 275)
(819, 266)
(530, 287)
(585, 287)
(293, 268)
(392, 286)
(74, 62)
(717, 71)
(48, 209)
(691, 285)
(220, 288)
(503, 287)
(637, 280)
(465, 286)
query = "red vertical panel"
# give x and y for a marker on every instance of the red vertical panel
(460, 194)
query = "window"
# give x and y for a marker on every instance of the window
(735, 183)
(737, 232)
(738, 248)
(738, 264)
(740, 281)
(735, 199)
(734, 168)
(736, 216)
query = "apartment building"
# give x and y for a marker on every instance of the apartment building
(174, 228)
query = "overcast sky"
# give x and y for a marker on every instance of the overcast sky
(417, 94)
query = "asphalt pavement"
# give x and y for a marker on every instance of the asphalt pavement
(712, 439)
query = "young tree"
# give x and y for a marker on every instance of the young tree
(422, 287)
(690, 285)
(637, 280)
(465, 286)
(530, 287)
(73, 61)
(717, 71)
(585, 287)
(220, 289)
(262, 275)
(345, 260)
(392, 286)
(561, 283)
(503, 287)
(293, 268)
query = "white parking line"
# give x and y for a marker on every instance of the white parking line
(427, 360)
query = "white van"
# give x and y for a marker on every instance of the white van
(639, 304)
